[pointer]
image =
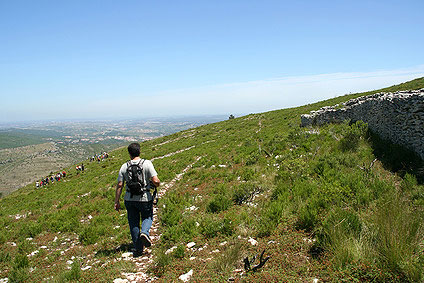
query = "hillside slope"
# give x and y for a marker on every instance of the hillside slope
(316, 200)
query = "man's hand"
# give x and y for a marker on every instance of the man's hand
(118, 195)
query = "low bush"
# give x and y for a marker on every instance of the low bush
(228, 259)
(307, 217)
(18, 275)
(162, 260)
(72, 275)
(271, 215)
(218, 203)
(396, 236)
(92, 233)
(352, 136)
(4, 257)
(31, 229)
(184, 231)
(244, 193)
(172, 208)
(179, 252)
(211, 227)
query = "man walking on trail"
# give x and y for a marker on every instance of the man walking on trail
(138, 203)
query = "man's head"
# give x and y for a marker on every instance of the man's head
(134, 150)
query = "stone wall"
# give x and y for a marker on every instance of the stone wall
(398, 116)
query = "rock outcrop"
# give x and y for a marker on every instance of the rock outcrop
(398, 116)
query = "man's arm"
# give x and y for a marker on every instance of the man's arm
(118, 195)
(155, 181)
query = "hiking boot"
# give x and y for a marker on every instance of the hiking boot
(137, 253)
(145, 240)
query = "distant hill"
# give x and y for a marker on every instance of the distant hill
(324, 203)
(16, 138)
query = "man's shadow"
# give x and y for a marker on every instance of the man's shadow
(122, 248)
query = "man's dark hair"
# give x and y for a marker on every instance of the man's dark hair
(134, 149)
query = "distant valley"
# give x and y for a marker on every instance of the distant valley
(31, 151)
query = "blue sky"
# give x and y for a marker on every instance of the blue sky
(100, 59)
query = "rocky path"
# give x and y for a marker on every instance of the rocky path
(146, 259)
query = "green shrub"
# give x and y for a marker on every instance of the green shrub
(31, 229)
(247, 174)
(179, 252)
(91, 234)
(4, 257)
(66, 220)
(270, 216)
(340, 234)
(18, 275)
(172, 208)
(74, 274)
(307, 217)
(281, 191)
(182, 232)
(213, 226)
(409, 182)
(25, 247)
(228, 259)
(253, 158)
(352, 136)
(3, 237)
(243, 193)
(21, 261)
(162, 260)
(396, 236)
(218, 203)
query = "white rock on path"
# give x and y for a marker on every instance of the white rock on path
(186, 277)
(191, 244)
(252, 241)
(170, 250)
(119, 280)
(33, 253)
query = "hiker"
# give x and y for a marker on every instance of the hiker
(139, 177)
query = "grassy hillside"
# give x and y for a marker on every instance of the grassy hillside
(315, 199)
(13, 138)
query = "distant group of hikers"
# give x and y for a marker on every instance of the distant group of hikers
(80, 167)
(99, 157)
(50, 180)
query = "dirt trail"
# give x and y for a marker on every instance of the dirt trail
(146, 259)
(173, 153)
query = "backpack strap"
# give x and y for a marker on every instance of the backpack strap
(143, 181)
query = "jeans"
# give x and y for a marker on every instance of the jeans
(135, 209)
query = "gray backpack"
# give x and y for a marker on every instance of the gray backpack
(136, 183)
